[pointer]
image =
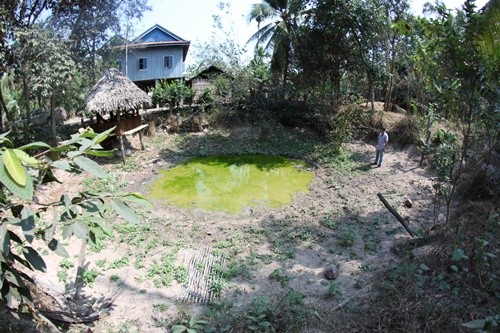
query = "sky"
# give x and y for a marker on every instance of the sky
(192, 19)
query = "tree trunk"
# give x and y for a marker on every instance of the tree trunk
(79, 270)
(53, 117)
(336, 91)
(126, 59)
(94, 74)
(3, 109)
(371, 93)
(388, 97)
(285, 71)
(120, 136)
(373, 100)
(26, 96)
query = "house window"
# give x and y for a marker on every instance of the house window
(120, 65)
(143, 63)
(168, 61)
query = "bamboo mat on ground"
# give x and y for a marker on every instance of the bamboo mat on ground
(204, 275)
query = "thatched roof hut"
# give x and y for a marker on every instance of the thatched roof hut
(119, 97)
(114, 92)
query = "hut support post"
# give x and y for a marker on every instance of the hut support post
(140, 139)
(120, 137)
(140, 132)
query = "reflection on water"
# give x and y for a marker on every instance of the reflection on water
(231, 183)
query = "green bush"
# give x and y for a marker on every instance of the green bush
(171, 93)
(406, 131)
(344, 125)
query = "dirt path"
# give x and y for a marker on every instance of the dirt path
(339, 223)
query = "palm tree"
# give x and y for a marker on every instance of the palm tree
(259, 13)
(280, 35)
(489, 30)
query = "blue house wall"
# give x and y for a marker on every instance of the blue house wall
(155, 69)
(157, 35)
(153, 45)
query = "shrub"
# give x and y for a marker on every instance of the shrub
(171, 93)
(345, 124)
(406, 131)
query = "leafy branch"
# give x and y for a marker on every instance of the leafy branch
(85, 215)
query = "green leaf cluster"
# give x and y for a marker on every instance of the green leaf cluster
(444, 151)
(171, 93)
(85, 216)
(193, 325)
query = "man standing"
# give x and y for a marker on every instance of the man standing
(382, 140)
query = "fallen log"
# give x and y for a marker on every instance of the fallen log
(395, 213)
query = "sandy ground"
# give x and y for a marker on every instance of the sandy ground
(338, 208)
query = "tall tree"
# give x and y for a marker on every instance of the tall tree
(281, 34)
(259, 13)
(15, 14)
(462, 81)
(489, 32)
(259, 70)
(397, 12)
(130, 11)
(222, 49)
(338, 37)
(46, 67)
(86, 23)
(89, 24)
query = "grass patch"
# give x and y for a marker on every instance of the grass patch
(263, 314)
(333, 289)
(161, 307)
(339, 163)
(371, 240)
(119, 263)
(282, 142)
(235, 268)
(111, 183)
(89, 276)
(165, 271)
(348, 235)
(101, 263)
(279, 275)
(64, 265)
(130, 165)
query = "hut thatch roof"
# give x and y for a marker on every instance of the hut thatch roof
(114, 92)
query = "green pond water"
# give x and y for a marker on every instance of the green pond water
(231, 183)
